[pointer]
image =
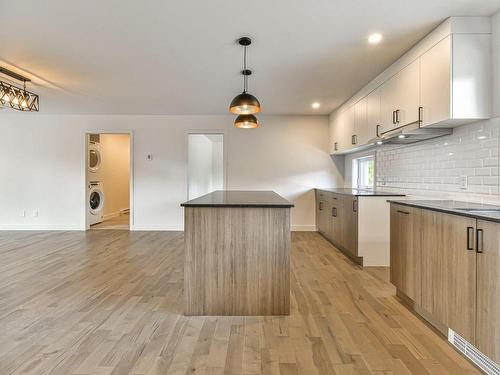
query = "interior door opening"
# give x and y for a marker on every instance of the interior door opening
(205, 163)
(108, 181)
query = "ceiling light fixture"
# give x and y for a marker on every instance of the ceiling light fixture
(246, 122)
(245, 103)
(15, 97)
(315, 105)
(375, 38)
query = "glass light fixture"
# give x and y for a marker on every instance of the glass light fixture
(246, 122)
(15, 97)
(245, 103)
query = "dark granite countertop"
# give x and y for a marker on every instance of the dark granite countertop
(363, 193)
(239, 198)
(470, 209)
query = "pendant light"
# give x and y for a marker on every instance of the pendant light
(16, 97)
(246, 122)
(245, 103)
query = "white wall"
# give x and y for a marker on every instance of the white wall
(115, 164)
(205, 165)
(42, 165)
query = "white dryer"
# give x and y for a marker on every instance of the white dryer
(94, 162)
(95, 203)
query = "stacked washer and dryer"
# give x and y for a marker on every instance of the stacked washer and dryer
(95, 193)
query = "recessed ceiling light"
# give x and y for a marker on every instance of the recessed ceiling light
(375, 38)
(401, 136)
(316, 105)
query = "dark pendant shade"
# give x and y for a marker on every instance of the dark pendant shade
(246, 122)
(244, 104)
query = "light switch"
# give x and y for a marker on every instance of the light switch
(462, 182)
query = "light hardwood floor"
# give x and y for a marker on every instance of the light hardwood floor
(109, 302)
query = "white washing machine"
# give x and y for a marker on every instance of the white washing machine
(94, 162)
(95, 203)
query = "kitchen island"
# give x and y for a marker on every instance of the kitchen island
(237, 254)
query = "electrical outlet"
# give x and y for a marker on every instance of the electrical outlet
(35, 213)
(462, 182)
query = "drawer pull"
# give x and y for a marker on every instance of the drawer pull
(479, 241)
(403, 212)
(470, 238)
(334, 211)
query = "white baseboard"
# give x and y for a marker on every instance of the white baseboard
(48, 227)
(304, 228)
(116, 213)
(170, 228)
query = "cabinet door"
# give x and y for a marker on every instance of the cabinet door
(322, 216)
(406, 268)
(372, 114)
(449, 271)
(336, 132)
(435, 83)
(348, 128)
(361, 130)
(337, 223)
(350, 225)
(408, 94)
(488, 289)
(388, 104)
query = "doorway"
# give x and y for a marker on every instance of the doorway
(108, 181)
(205, 163)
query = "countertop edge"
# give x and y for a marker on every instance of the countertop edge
(241, 205)
(376, 195)
(445, 210)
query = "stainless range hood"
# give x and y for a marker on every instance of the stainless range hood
(411, 133)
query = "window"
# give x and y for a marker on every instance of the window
(363, 172)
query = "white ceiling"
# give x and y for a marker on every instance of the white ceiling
(180, 57)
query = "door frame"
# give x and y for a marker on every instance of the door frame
(131, 169)
(224, 153)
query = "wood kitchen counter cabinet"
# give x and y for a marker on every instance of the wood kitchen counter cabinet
(356, 222)
(445, 263)
(237, 247)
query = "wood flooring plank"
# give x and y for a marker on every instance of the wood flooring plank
(111, 302)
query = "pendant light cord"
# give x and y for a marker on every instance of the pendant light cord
(245, 77)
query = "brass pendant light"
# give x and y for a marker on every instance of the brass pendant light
(245, 103)
(246, 122)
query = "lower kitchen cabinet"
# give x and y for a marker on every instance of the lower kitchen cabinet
(488, 289)
(406, 260)
(345, 218)
(449, 270)
(449, 266)
(349, 219)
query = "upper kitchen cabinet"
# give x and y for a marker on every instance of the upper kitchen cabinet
(400, 98)
(442, 82)
(372, 114)
(455, 80)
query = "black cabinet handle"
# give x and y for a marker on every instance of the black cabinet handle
(393, 117)
(470, 238)
(420, 115)
(397, 116)
(479, 241)
(334, 211)
(354, 206)
(336, 146)
(321, 206)
(403, 212)
(378, 130)
(353, 139)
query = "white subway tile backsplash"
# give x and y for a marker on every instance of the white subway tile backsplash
(434, 167)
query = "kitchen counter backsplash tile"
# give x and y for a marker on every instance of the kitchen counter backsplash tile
(436, 166)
